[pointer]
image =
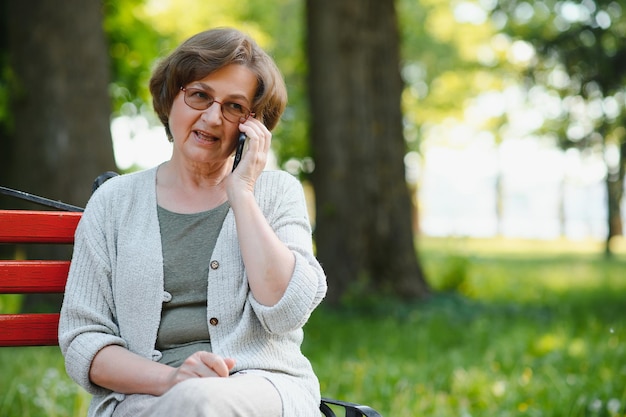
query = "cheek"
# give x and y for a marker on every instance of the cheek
(178, 119)
(231, 134)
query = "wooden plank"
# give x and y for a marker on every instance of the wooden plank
(32, 277)
(29, 329)
(30, 226)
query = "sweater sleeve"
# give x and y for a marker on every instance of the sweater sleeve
(289, 219)
(87, 323)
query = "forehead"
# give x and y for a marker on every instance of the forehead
(230, 81)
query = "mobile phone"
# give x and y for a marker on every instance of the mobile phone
(241, 141)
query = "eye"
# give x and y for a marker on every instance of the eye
(199, 95)
(235, 107)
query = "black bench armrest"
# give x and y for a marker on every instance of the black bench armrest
(352, 409)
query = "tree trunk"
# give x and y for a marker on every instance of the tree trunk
(60, 138)
(615, 193)
(499, 208)
(363, 210)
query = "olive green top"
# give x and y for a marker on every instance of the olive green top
(188, 241)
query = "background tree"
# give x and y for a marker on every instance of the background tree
(133, 44)
(363, 213)
(453, 61)
(57, 138)
(440, 61)
(581, 58)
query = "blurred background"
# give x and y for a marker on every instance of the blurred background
(464, 162)
(524, 159)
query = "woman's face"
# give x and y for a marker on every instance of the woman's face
(206, 136)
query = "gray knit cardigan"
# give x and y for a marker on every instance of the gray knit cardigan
(115, 290)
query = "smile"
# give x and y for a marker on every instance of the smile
(204, 136)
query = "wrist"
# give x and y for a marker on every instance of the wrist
(164, 380)
(240, 197)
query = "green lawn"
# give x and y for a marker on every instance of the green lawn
(533, 329)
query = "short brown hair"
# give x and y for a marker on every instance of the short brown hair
(209, 51)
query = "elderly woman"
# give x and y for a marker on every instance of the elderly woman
(190, 282)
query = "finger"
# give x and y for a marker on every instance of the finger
(216, 363)
(194, 367)
(258, 147)
(257, 131)
(230, 363)
(268, 138)
(263, 140)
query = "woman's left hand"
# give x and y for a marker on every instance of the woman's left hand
(254, 158)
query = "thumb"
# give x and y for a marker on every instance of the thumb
(230, 363)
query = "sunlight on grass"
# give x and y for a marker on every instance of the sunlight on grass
(520, 328)
(34, 384)
(537, 330)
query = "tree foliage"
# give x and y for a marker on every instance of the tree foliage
(581, 60)
(451, 55)
(440, 58)
(449, 58)
(134, 43)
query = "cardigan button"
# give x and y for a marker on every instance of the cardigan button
(215, 265)
(213, 321)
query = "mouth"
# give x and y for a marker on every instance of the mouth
(204, 136)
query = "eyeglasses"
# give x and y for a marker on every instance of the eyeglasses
(199, 99)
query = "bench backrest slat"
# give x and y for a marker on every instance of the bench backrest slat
(33, 276)
(32, 329)
(28, 226)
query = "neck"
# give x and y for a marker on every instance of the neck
(188, 190)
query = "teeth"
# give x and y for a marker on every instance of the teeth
(204, 136)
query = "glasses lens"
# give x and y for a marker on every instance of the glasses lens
(199, 100)
(234, 112)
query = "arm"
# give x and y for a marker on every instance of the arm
(268, 261)
(120, 370)
(116, 368)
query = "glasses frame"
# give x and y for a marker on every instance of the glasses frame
(224, 114)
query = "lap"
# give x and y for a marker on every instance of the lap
(240, 395)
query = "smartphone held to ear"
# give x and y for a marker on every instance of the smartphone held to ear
(241, 141)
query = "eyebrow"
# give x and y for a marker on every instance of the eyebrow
(235, 96)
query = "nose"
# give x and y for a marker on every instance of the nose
(213, 113)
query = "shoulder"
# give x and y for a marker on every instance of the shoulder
(122, 182)
(279, 191)
(276, 180)
(123, 190)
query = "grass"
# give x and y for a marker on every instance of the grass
(519, 328)
(538, 330)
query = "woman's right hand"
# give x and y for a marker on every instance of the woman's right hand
(202, 365)
(116, 368)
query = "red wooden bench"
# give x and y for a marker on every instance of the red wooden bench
(49, 276)
(33, 276)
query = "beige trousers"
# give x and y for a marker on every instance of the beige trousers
(240, 395)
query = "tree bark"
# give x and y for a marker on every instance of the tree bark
(615, 194)
(61, 138)
(363, 208)
(58, 138)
